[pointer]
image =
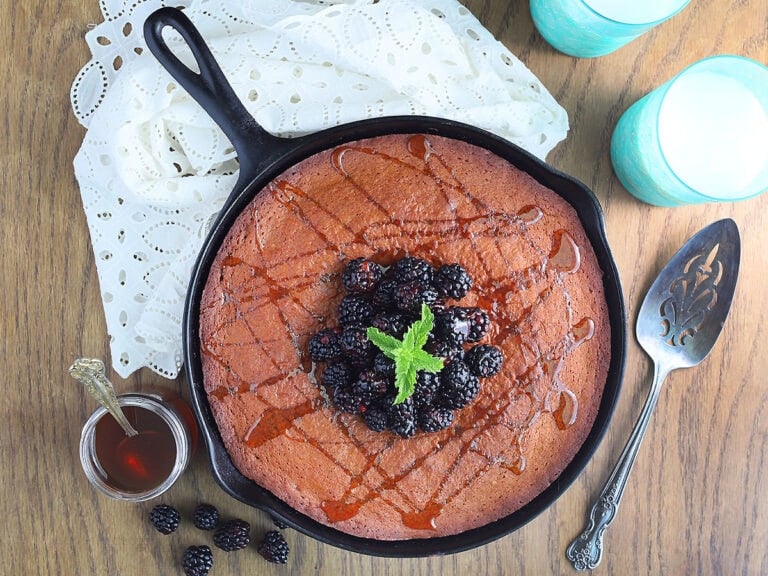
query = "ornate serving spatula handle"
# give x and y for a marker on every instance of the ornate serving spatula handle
(586, 551)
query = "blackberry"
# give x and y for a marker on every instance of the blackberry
(197, 561)
(336, 375)
(384, 365)
(438, 306)
(435, 418)
(392, 323)
(411, 268)
(273, 548)
(355, 344)
(370, 385)
(425, 392)
(484, 360)
(452, 281)
(375, 418)
(347, 401)
(383, 295)
(325, 346)
(355, 309)
(361, 275)
(206, 517)
(409, 296)
(444, 350)
(232, 535)
(402, 418)
(452, 326)
(164, 518)
(458, 385)
(479, 322)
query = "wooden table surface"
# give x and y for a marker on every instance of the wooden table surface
(696, 503)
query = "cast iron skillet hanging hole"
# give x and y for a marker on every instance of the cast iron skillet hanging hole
(211, 89)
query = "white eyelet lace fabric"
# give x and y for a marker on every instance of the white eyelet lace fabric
(154, 168)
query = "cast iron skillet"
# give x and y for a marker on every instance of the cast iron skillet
(262, 157)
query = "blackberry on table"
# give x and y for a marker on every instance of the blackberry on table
(458, 385)
(361, 275)
(402, 418)
(484, 360)
(355, 309)
(452, 281)
(409, 296)
(336, 375)
(435, 418)
(197, 561)
(164, 518)
(232, 535)
(205, 517)
(325, 345)
(273, 548)
(411, 268)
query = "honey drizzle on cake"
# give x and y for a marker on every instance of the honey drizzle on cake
(540, 383)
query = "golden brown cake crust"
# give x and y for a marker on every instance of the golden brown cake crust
(276, 282)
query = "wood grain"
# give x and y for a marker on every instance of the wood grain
(696, 502)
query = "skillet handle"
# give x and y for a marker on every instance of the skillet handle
(211, 89)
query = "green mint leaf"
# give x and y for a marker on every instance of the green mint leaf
(405, 381)
(407, 353)
(417, 334)
(384, 342)
(424, 361)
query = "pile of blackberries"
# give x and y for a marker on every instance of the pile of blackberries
(228, 535)
(359, 378)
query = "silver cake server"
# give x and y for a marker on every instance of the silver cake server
(678, 324)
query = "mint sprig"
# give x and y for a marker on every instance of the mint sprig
(408, 353)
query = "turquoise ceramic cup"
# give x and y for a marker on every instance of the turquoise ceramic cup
(589, 28)
(700, 137)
